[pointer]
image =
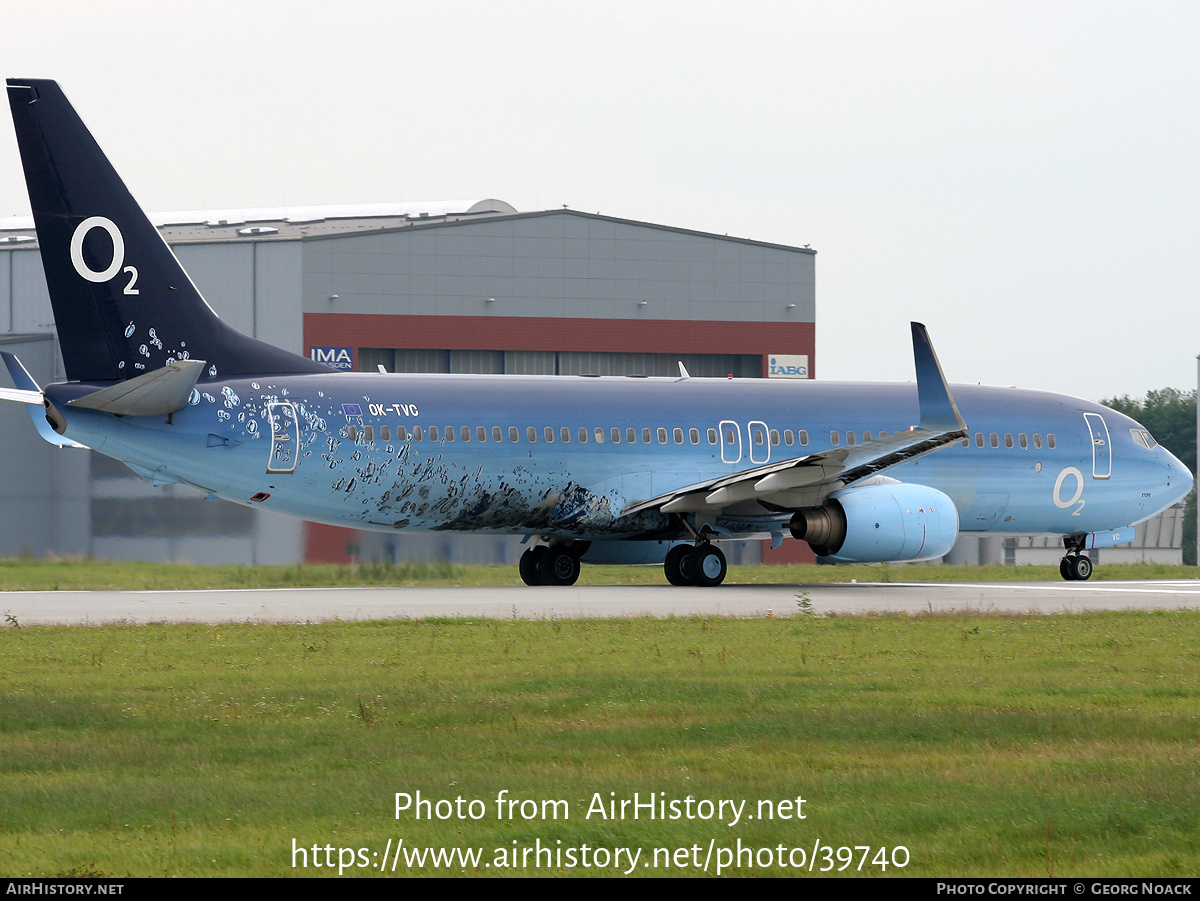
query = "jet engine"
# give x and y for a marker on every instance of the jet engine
(880, 523)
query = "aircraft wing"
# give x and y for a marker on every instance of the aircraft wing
(805, 481)
(801, 482)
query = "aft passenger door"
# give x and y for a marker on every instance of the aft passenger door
(285, 437)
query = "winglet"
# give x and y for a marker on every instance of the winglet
(939, 412)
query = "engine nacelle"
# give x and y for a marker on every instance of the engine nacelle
(880, 524)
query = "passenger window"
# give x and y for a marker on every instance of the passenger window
(979, 439)
(369, 433)
(802, 437)
(401, 433)
(497, 434)
(352, 433)
(1050, 442)
(774, 437)
(565, 434)
(449, 433)
(645, 436)
(531, 434)
(513, 435)
(677, 434)
(866, 436)
(548, 431)
(434, 435)
(995, 439)
(788, 439)
(1023, 440)
(599, 435)
(694, 435)
(385, 434)
(1008, 442)
(615, 435)
(966, 442)
(631, 436)
(582, 435)
(480, 433)
(731, 437)
(835, 439)
(662, 436)
(1037, 441)
(418, 433)
(850, 438)
(712, 437)
(464, 432)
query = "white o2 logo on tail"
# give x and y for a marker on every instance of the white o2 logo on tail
(118, 257)
(1063, 503)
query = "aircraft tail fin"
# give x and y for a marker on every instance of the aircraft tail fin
(123, 305)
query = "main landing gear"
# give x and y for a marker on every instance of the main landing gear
(1076, 566)
(553, 564)
(703, 565)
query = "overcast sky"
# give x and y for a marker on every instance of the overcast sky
(1021, 176)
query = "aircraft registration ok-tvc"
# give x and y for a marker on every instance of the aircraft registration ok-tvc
(591, 469)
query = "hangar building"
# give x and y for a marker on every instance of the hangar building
(470, 286)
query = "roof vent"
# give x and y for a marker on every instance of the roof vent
(258, 230)
(17, 239)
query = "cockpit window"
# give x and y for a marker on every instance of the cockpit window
(1144, 438)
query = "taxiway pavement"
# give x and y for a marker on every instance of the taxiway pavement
(322, 604)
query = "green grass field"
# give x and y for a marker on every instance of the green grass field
(983, 745)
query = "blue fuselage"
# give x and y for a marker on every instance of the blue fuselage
(564, 456)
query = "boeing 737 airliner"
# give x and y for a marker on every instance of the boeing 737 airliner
(591, 469)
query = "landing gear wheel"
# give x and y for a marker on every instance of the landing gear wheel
(674, 565)
(558, 566)
(706, 566)
(528, 565)
(1076, 567)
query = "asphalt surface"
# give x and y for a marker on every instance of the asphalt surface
(321, 604)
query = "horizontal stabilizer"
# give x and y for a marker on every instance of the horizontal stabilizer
(156, 393)
(33, 398)
(28, 392)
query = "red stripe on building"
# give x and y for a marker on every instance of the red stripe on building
(359, 330)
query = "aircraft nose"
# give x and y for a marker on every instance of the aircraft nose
(1179, 477)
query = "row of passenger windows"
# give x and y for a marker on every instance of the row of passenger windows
(1022, 440)
(550, 434)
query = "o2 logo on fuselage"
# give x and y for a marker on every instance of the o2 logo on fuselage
(1076, 498)
(118, 256)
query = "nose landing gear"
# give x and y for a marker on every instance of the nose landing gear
(1076, 566)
